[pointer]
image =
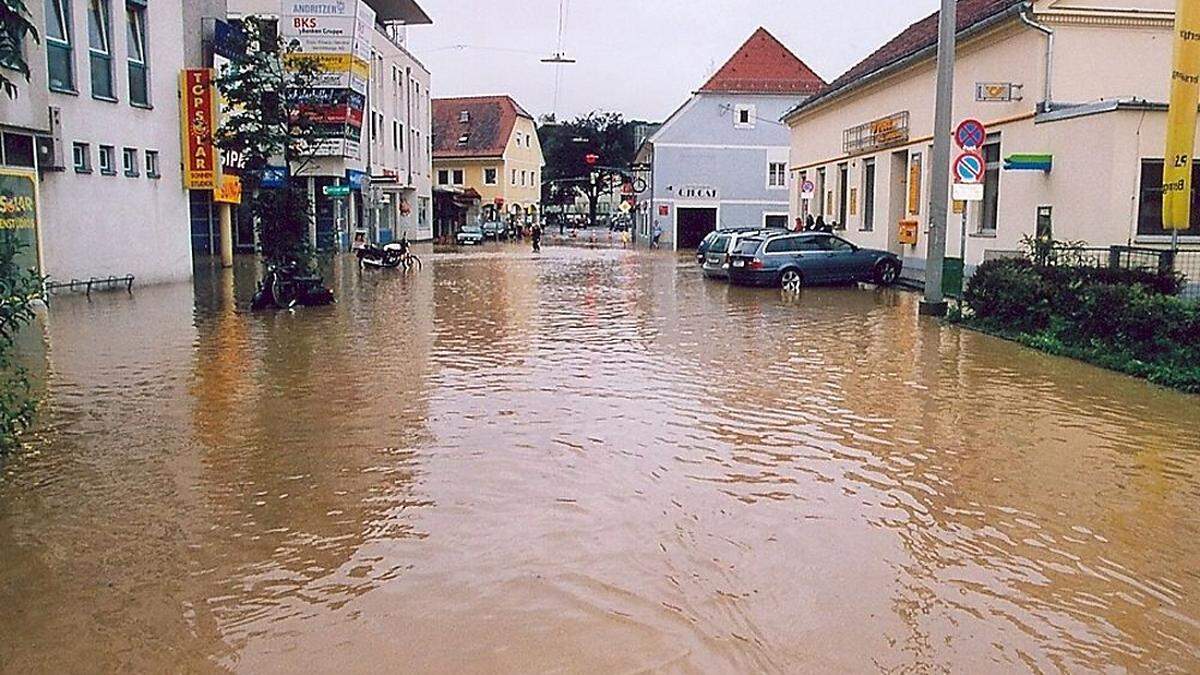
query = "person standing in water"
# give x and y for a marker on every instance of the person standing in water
(535, 233)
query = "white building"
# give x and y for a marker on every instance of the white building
(391, 174)
(1082, 85)
(99, 121)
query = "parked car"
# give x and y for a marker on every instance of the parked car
(702, 249)
(470, 235)
(792, 261)
(716, 258)
(494, 229)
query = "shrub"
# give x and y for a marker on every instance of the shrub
(19, 290)
(1008, 294)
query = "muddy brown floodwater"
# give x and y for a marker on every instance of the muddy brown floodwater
(591, 461)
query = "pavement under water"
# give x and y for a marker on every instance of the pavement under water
(586, 461)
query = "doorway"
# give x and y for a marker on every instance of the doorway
(897, 200)
(692, 225)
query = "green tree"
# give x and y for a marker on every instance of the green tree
(265, 124)
(608, 135)
(20, 289)
(15, 24)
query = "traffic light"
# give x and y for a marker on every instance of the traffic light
(591, 158)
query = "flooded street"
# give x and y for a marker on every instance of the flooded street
(591, 461)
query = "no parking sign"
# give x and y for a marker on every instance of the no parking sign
(969, 167)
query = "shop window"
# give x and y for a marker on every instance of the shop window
(152, 164)
(136, 48)
(489, 177)
(58, 46)
(777, 175)
(108, 160)
(990, 215)
(868, 206)
(1150, 201)
(458, 177)
(81, 154)
(18, 150)
(100, 49)
(129, 162)
(743, 116)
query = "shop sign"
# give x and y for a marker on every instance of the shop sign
(229, 191)
(273, 177)
(699, 192)
(19, 214)
(881, 133)
(357, 179)
(998, 92)
(1180, 146)
(199, 126)
(908, 232)
(664, 210)
(229, 41)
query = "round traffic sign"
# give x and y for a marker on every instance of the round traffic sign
(970, 135)
(969, 167)
(808, 186)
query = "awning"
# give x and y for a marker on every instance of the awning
(407, 12)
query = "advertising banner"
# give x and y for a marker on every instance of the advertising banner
(19, 214)
(199, 126)
(337, 35)
(1181, 118)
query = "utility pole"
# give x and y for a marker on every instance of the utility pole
(934, 303)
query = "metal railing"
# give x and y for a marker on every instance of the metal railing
(1184, 261)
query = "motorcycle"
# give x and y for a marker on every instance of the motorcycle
(288, 285)
(389, 256)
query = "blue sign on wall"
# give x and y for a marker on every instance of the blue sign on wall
(229, 41)
(273, 177)
(357, 179)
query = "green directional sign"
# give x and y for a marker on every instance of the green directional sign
(336, 190)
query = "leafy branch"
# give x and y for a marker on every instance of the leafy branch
(15, 23)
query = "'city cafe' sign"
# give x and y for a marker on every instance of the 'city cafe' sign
(199, 127)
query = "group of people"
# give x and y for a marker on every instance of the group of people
(817, 224)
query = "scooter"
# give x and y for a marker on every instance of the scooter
(388, 256)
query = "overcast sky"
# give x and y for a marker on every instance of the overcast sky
(638, 57)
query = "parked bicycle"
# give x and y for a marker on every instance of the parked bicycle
(288, 285)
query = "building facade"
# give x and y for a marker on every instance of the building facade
(1068, 151)
(386, 160)
(489, 144)
(98, 129)
(721, 160)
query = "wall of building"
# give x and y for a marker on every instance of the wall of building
(523, 154)
(704, 145)
(96, 225)
(1092, 184)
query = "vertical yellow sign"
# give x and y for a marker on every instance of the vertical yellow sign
(1181, 119)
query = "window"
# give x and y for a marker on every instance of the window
(129, 162)
(744, 117)
(464, 116)
(58, 45)
(464, 139)
(1150, 199)
(422, 212)
(834, 244)
(399, 136)
(514, 176)
(843, 194)
(82, 155)
(100, 48)
(991, 187)
(108, 160)
(18, 150)
(458, 176)
(489, 177)
(395, 75)
(786, 245)
(868, 221)
(443, 177)
(139, 57)
(777, 175)
(775, 220)
(152, 164)
(523, 179)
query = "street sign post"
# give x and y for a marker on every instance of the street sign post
(336, 190)
(969, 167)
(970, 135)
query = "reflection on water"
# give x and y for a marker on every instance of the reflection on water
(586, 461)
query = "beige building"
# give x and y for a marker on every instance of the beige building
(489, 144)
(1084, 82)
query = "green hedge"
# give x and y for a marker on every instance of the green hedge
(1126, 320)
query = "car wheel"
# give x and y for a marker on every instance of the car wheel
(886, 272)
(791, 281)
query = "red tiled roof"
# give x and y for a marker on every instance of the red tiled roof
(764, 65)
(490, 125)
(921, 35)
